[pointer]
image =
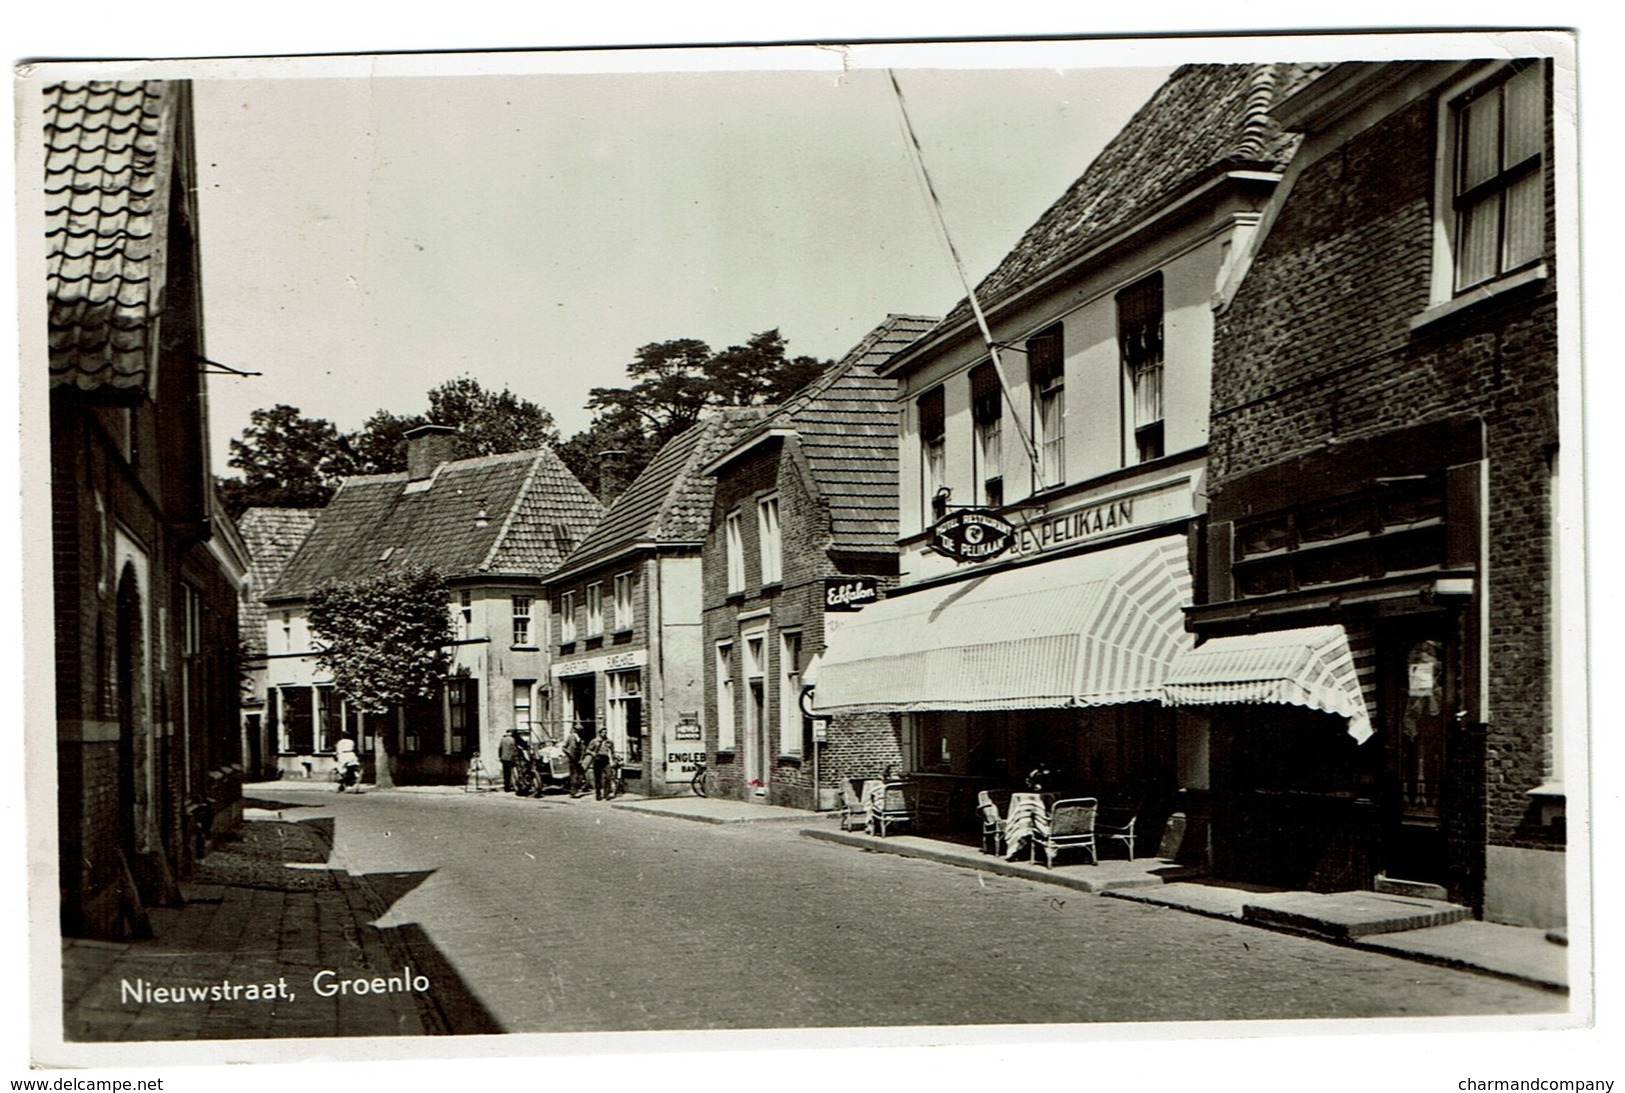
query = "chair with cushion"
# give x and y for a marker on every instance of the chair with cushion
(1071, 824)
(893, 805)
(852, 814)
(992, 823)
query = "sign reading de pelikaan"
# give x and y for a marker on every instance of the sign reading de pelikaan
(972, 535)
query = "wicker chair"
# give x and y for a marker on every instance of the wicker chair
(1071, 824)
(893, 805)
(852, 814)
(992, 824)
(1117, 825)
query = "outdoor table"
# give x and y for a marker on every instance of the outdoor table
(1028, 817)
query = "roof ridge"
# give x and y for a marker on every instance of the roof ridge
(698, 456)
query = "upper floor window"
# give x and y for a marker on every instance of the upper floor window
(767, 521)
(1139, 337)
(1046, 363)
(987, 449)
(595, 610)
(567, 617)
(623, 601)
(1497, 190)
(932, 407)
(462, 616)
(736, 553)
(521, 620)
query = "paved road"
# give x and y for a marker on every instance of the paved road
(568, 916)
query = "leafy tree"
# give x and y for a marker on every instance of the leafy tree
(759, 373)
(286, 460)
(384, 640)
(490, 422)
(379, 446)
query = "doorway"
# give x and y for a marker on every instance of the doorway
(1420, 698)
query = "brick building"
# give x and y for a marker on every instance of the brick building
(628, 652)
(492, 525)
(1052, 472)
(805, 504)
(1383, 476)
(146, 568)
(271, 536)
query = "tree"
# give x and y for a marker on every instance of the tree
(286, 460)
(383, 639)
(490, 423)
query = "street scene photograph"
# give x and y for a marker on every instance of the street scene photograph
(939, 541)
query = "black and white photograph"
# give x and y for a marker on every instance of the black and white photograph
(1036, 540)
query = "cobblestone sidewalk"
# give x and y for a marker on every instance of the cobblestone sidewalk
(264, 915)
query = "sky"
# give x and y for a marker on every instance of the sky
(368, 237)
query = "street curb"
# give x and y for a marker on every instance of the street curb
(1128, 891)
(988, 864)
(642, 807)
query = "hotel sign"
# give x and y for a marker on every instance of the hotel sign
(972, 535)
(1050, 532)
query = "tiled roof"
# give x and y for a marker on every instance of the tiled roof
(1203, 119)
(534, 513)
(272, 536)
(670, 501)
(109, 151)
(846, 421)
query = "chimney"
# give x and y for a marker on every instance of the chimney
(427, 447)
(611, 475)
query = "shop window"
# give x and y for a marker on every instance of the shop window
(595, 610)
(298, 726)
(772, 551)
(931, 407)
(725, 697)
(462, 715)
(987, 448)
(1497, 188)
(1139, 338)
(521, 620)
(1396, 527)
(624, 695)
(793, 730)
(623, 601)
(735, 535)
(1046, 363)
(567, 618)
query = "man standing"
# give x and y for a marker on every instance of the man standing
(507, 752)
(604, 762)
(572, 749)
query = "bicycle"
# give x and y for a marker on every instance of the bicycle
(701, 782)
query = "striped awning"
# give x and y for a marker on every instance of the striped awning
(1307, 667)
(1088, 630)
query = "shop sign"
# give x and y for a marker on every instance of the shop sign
(850, 593)
(1050, 532)
(681, 766)
(687, 727)
(972, 535)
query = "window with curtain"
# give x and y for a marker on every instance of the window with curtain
(1498, 189)
(1139, 337)
(931, 407)
(735, 535)
(1046, 365)
(987, 449)
(772, 550)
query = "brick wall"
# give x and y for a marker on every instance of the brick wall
(1317, 345)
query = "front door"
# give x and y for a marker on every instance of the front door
(1420, 699)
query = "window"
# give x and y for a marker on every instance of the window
(987, 414)
(1139, 337)
(298, 730)
(595, 610)
(465, 615)
(329, 718)
(767, 525)
(792, 729)
(736, 553)
(934, 452)
(1047, 369)
(567, 618)
(725, 696)
(1497, 188)
(521, 620)
(462, 715)
(623, 601)
(625, 713)
(287, 631)
(521, 704)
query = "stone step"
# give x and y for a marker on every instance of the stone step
(1348, 915)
